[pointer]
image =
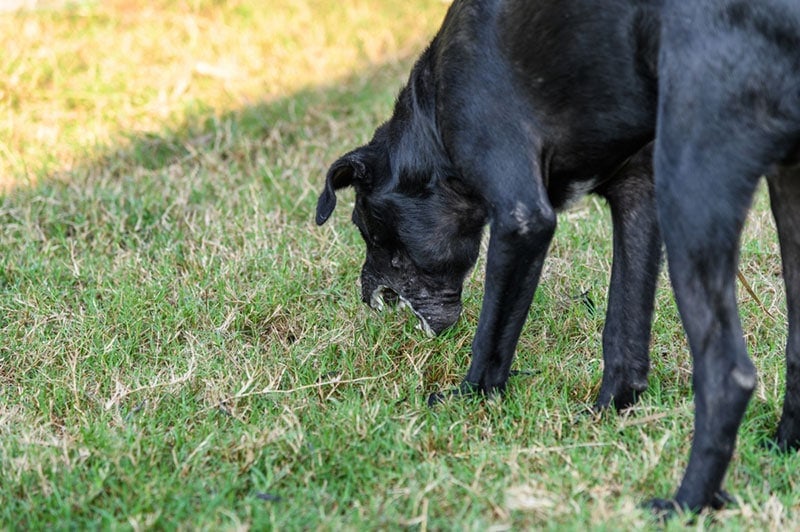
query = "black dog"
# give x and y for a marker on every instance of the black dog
(519, 105)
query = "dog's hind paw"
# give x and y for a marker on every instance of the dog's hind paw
(786, 438)
(662, 509)
(665, 509)
(778, 445)
(722, 499)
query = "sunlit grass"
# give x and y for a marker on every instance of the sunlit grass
(78, 78)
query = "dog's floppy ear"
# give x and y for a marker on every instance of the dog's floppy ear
(350, 168)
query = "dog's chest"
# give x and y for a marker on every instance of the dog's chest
(563, 193)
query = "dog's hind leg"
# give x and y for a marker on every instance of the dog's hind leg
(725, 117)
(637, 255)
(784, 190)
(703, 202)
(707, 165)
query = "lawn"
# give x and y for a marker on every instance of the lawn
(182, 348)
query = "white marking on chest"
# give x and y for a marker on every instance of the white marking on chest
(579, 188)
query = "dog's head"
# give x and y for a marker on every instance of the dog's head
(421, 226)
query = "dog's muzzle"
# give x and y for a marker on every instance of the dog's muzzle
(383, 295)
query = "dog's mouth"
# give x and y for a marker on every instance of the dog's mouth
(383, 295)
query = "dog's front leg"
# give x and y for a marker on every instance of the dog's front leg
(631, 294)
(517, 248)
(522, 225)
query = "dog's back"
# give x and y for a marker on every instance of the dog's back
(743, 59)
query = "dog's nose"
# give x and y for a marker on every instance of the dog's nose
(437, 319)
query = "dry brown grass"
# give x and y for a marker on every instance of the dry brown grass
(182, 348)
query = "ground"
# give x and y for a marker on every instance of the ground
(181, 347)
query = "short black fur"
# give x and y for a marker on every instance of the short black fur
(670, 110)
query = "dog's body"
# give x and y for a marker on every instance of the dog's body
(517, 106)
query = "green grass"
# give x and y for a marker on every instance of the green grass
(180, 346)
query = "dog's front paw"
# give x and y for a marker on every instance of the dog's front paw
(621, 395)
(662, 509)
(465, 389)
(471, 389)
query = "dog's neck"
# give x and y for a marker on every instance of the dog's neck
(418, 158)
